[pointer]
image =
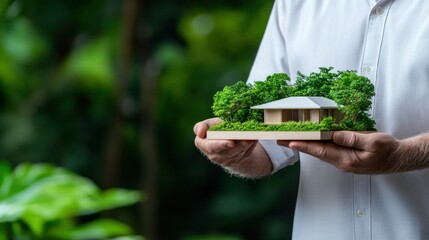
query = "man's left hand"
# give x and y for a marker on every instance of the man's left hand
(363, 153)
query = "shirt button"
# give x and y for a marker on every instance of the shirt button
(368, 69)
(379, 10)
(361, 212)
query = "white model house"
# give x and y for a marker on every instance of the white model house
(312, 109)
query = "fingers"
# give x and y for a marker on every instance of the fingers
(220, 150)
(351, 139)
(343, 158)
(343, 138)
(225, 152)
(367, 142)
(226, 148)
(213, 146)
(344, 146)
(233, 155)
(351, 151)
(324, 151)
(242, 149)
(200, 128)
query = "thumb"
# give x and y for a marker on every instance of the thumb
(200, 129)
(349, 139)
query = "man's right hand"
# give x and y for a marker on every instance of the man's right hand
(245, 157)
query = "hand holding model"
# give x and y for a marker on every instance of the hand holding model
(246, 158)
(374, 153)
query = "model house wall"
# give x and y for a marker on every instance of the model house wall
(312, 109)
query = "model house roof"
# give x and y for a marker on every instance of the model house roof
(299, 103)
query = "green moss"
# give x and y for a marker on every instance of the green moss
(326, 124)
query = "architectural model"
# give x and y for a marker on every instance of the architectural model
(311, 109)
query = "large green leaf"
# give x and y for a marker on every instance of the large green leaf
(39, 193)
(98, 229)
(110, 199)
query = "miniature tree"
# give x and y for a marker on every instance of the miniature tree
(353, 94)
(273, 88)
(316, 84)
(233, 103)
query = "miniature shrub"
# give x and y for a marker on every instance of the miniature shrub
(236, 126)
(233, 103)
(328, 124)
(315, 84)
(363, 123)
(353, 95)
(294, 126)
(273, 88)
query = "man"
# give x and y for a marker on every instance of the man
(361, 186)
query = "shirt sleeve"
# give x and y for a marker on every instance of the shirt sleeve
(272, 53)
(280, 156)
(272, 58)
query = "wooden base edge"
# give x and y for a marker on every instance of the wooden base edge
(270, 135)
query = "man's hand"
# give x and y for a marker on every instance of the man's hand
(245, 158)
(372, 153)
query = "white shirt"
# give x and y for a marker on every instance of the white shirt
(387, 41)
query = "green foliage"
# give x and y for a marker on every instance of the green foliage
(295, 126)
(97, 229)
(4, 4)
(363, 122)
(78, 65)
(315, 84)
(353, 94)
(59, 69)
(40, 200)
(233, 103)
(274, 87)
(238, 126)
(328, 124)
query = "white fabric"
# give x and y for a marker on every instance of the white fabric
(278, 155)
(387, 41)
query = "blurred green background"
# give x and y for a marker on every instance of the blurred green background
(111, 89)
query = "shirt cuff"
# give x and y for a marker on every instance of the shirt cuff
(280, 156)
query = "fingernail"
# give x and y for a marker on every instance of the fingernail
(196, 128)
(296, 146)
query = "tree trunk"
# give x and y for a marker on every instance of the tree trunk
(149, 148)
(114, 138)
